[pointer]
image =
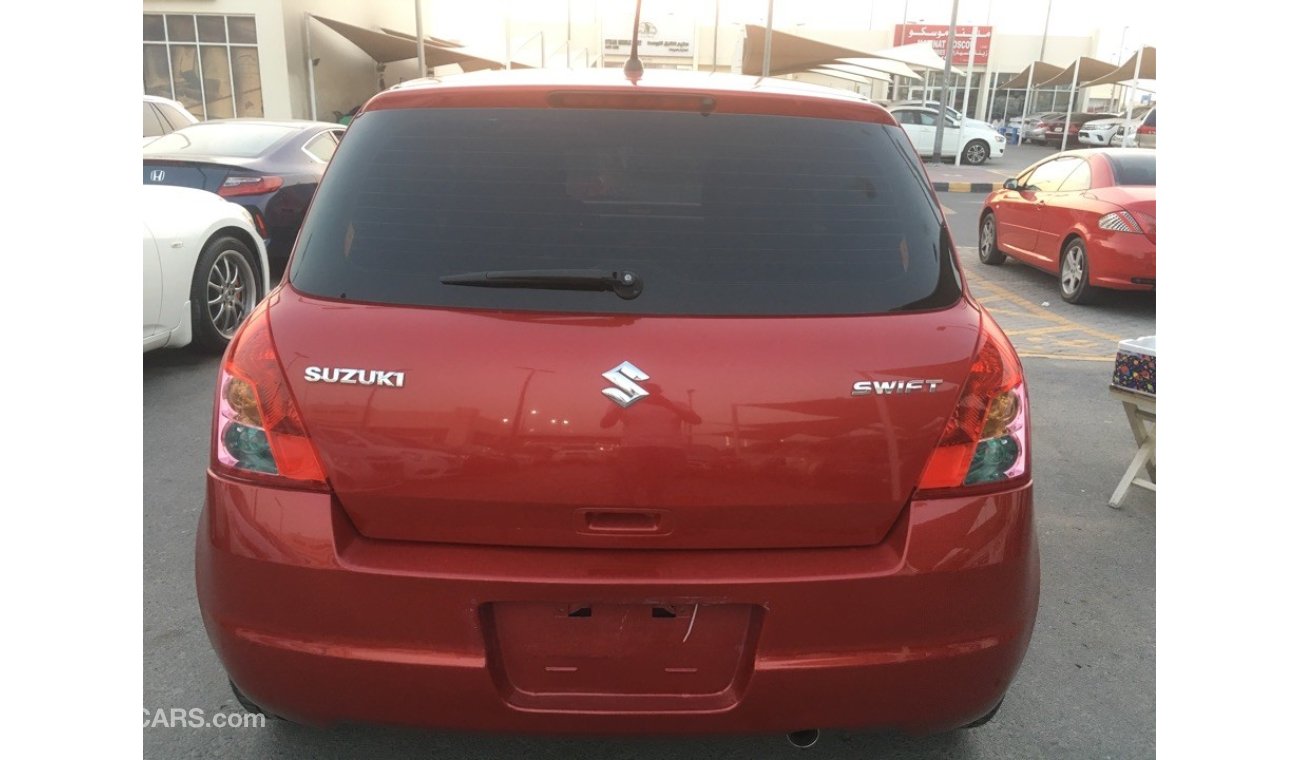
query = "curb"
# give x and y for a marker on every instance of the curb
(963, 187)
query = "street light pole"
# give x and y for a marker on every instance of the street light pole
(965, 98)
(716, 4)
(1042, 50)
(943, 92)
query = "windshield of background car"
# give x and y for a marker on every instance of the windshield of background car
(236, 140)
(720, 214)
(1134, 169)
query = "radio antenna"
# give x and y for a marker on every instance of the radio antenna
(633, 69)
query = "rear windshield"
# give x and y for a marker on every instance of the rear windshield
(719, 215)
(236, 140)
(1138, 168)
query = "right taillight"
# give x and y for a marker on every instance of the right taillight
(986, 440)
(1146, 129)
(258, 432)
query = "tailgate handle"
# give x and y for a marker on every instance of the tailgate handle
(623, 521)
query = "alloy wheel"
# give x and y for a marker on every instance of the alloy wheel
(1072, 269)
(232, 292)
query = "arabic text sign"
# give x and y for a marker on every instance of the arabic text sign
(937, 35)
(667, 38)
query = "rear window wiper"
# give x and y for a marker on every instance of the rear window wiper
(623, 284)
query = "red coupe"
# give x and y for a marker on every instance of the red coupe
(1088, 216)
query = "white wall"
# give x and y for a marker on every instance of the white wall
(270, 46)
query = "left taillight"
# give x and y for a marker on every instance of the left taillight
(236, 185)
(258, 433)
(985, 442)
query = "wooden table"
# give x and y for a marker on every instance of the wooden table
(1140, 409)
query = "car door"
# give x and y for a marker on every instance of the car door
(153, 290)
(1057, 207)
(920, 132)
(1017, 210)
(951, 136)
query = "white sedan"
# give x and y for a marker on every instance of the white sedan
(978, 141)
(205, 268)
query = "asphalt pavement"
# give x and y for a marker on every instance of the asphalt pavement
(1087, 686)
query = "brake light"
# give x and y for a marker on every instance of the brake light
(986, 441)
(633, 100)
(247, 184)
(1146, 130)
(258, 432)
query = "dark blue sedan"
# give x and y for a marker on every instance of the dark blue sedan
(269, 167)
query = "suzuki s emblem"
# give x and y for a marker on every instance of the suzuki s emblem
(628, 392)
(157, 175)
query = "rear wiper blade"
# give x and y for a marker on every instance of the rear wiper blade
(623, 284)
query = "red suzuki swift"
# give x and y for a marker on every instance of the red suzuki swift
(592, 405)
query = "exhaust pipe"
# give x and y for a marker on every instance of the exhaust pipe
(803, 739)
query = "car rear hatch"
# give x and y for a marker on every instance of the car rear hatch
(749, 435)
(780, 381)
(201, 175)
(203, 155)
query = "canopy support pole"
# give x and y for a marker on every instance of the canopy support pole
(419, 39)
(1128, 114)
(311, 66)
(1020, 133)
(1069, 109)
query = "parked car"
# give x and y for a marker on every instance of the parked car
(1048, 130)
(1087, 216)
(1098, 133)
(1145, 134)
(978, 143)
(269, 167)
(953, 113)
(163, 116)
(205, 268)
(493, 252)
(1031, 119)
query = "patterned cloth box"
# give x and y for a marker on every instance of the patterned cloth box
(1135, 365)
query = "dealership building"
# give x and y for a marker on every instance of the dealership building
(235, 58)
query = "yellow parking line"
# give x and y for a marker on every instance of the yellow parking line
(1042, 313)
(1065, 357)
(1040, 330)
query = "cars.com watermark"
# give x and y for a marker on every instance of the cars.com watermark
(196, 717)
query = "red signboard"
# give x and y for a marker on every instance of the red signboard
(937, 34)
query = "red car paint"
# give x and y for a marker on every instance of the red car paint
(1034, 227)
(482, 554)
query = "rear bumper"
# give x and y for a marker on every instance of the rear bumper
(316, 623)
(1122, 261)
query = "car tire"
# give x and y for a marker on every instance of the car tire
(975, 153)
(254, 708)
(988, 247)
(987, 717)
(1074, 273)
(223, 292)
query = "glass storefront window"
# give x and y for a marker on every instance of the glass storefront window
(208, 63)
